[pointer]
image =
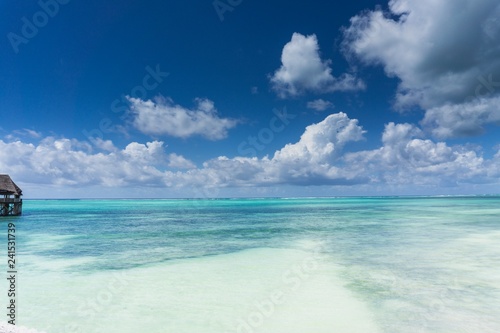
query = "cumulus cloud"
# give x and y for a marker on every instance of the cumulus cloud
(151, 152)
(405, 159)
(71, 162)
(323, 141)
(302, 70)
(444, 52)
(463, 119)
(161, 117)
(179, 162)
(313, 157)
(319, 105)
(310, 161)
(106, 145)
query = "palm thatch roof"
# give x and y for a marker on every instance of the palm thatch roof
(8, 187)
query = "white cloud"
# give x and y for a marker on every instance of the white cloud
(319, 105)
(302, 70)
(463, 119)
(405, 160)
(70, 162)
(24, 133)
(163, 117)
(444, 52)
(310, 161)
(179, 162)
(323, 141)
(151, 152)
(106, 145)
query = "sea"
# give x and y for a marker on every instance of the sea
(270, 265)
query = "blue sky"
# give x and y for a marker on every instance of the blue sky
(250, 98)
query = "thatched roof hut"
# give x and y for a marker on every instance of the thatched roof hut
(10, 197)
(8, 187)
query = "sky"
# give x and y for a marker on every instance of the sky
(250, 98)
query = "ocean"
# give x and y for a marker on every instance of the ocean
(308, 265)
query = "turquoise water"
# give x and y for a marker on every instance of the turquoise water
(259, 265)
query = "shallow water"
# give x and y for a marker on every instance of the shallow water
(266, 265)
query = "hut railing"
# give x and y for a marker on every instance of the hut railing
(10, 200)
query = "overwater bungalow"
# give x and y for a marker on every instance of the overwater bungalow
(11, 203)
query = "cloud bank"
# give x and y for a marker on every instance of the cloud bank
(405, 158)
